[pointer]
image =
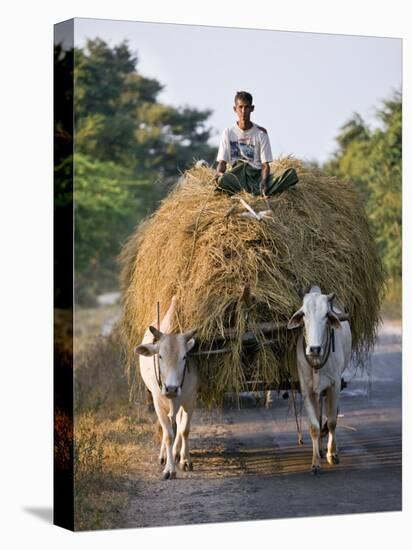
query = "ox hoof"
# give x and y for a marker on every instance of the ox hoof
(187, 466)
(315, 471)
(333, 459)
(169, 475)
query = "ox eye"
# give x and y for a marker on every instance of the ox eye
(160, 357)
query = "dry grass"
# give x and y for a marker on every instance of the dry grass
(100, 380)
(106, 452)
(196, 246)
(111, 434)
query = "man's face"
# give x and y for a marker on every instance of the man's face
(243, 109)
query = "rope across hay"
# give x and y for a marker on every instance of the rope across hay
(232, 273)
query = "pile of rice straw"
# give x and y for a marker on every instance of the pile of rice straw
(201, 247)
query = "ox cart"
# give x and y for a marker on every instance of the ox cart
(235, 276)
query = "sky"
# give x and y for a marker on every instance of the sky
(305, 86)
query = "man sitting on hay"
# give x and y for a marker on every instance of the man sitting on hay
(246, 147)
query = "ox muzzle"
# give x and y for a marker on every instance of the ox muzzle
(315, 351)
(170, 391)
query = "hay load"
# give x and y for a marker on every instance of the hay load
(233, 273)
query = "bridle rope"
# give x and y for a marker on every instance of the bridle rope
(156, 362)
(330, 344)
(156, 368)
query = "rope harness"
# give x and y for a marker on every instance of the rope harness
(156, 368)
(330, 344)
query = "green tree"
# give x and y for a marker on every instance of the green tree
(128, 149)
(385, 170)
(107, 204)
(372, 159)
(119, 119)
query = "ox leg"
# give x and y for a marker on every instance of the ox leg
(312, 409)
(149, 401)
(159, 435)
(268, 400)
(332, 399)
(169, 471)
(183, 429)
(321, 451)
(162, 454)
(178, 438)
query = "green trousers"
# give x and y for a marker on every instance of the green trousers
(245, 177)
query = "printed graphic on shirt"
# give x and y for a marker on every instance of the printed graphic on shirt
(242, 150)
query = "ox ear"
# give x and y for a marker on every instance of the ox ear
(189, 334)
(190, 341)
(156, 333)
(333, 319)
(296, 320)
(148, 350)
(189, 344)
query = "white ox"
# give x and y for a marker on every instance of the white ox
(323, 352)
(172, 380)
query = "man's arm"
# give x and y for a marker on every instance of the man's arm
(220, 169)
(265, 157)
(264, 178)
(223, 155)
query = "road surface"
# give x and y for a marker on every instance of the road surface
(248, 466)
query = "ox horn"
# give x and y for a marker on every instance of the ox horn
(331, 297)
(303, 290)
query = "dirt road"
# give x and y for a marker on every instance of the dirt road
(248, 465)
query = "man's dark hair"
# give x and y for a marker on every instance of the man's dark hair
(244, 96)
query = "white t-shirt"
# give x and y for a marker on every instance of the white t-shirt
(250, 146)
